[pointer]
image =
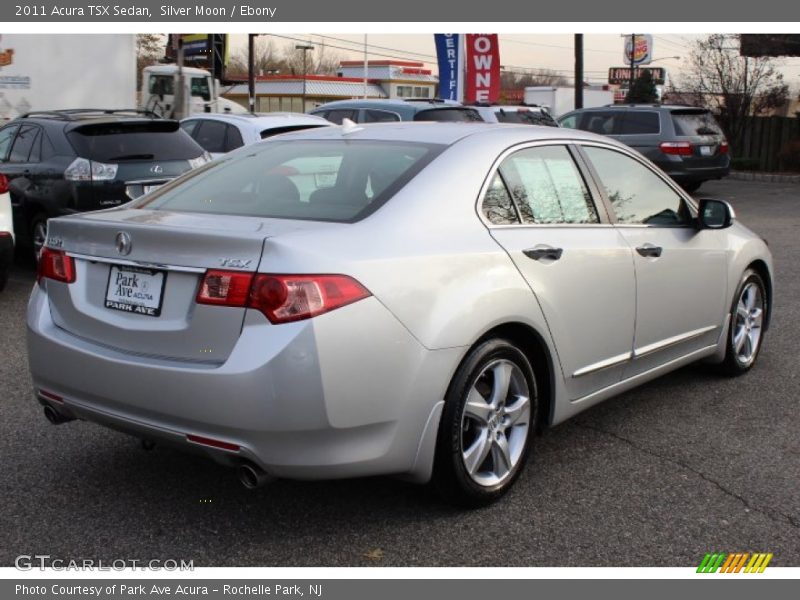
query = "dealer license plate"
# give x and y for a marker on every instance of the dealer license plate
(135, 290)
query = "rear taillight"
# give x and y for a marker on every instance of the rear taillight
(281, 298)
(225, 288)
(723, 148)
(284, 298)
(3, 184)
(55, 264)
(82, 169)
(677, 148)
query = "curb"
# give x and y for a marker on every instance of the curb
(768, 177)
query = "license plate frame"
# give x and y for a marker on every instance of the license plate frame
(131, 280)
(706, 150)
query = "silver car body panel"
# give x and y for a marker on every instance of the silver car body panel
(359, 391)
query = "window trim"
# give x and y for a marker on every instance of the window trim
(595, 193)
(642, 161)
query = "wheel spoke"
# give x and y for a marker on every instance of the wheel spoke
(749, 297)
(752, 341)
(477, 408)
(742, 312)
(738, 340)
(747, 349)
(519, 412)
(756, 314)
(502, 379)
(501, 455)
(476, 454)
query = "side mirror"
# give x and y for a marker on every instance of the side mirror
(714, 214)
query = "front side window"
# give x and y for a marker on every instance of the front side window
(637, 194)
(200, 88)
(602, 122)
(547, 186)
(379, 116)
(337, 115)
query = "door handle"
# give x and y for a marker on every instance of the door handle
(649, 250)
(543, 252)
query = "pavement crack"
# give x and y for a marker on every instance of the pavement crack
(776, 517)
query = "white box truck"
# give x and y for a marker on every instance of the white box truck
(61, 71)
(561, 100)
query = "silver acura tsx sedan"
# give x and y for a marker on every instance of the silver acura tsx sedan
(410, 299)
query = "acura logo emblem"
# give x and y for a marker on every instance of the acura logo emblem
(156, 169)
(123, 243)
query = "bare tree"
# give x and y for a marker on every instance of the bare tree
(320, 61)
(267, 59)
(517, 79)
(149, 50)
(733, 86)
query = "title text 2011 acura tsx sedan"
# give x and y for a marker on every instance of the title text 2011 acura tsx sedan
(411, 299)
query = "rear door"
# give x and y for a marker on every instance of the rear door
(641, 130)
(540, 209)
(681, 274)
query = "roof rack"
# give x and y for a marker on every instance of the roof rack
(73, 114)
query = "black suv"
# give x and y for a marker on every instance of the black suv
(61, 162)
(685, 141)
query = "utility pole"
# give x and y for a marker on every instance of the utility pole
(251, 71)
(633, 63)
(578, 70)
(305, 48)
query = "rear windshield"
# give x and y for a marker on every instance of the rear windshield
(695, 122)
(448, 114)
(527, 117)
(320, 180)
(118, 142)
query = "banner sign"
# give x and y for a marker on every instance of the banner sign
(483, 68)
(642, 53)
(622, 75)
(450, 55)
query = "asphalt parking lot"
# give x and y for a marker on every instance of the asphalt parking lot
(688, 464)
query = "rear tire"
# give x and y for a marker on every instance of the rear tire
(487, 425)
(746, 330)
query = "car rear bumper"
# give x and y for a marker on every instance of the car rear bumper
(316, 399)
(683, 171)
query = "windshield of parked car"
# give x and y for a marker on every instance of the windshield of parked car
(448, 114)
(695, 122)
(527, 117)
(321, 180)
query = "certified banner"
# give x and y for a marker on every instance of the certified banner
(483, 68)
(450, 55)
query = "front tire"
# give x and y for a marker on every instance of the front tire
(487, 425)
(746, 330)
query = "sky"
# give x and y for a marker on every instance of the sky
(517, 51)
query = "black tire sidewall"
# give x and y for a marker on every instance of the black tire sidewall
(450, 475)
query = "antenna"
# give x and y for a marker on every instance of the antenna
(349, 126)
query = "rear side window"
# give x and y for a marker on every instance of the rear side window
(638, 122)
(604, 123)
(339, 114)
(330, 180)
(211, 135)
(695, 122)
(6, 137)
(498, 207)
(547, 186)
(448, 114)
(115, 142)
(380, 116)
(23, 144)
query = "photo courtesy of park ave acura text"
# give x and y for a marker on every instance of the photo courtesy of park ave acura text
(399, 300)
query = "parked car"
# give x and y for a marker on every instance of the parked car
(381, 111)
(526, 115)
(685, 141)
(221, 133)
(67, 161)
(6, 233)
(395, 299)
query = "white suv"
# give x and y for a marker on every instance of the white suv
(527, 115)
(219, 133)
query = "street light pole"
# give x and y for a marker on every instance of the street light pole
(305, 48)
(251, 71)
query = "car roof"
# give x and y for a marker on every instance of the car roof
(650, 107)
(413, 105)
(262, 120)
(447, 133)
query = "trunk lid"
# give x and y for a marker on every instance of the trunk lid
(138, 273)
